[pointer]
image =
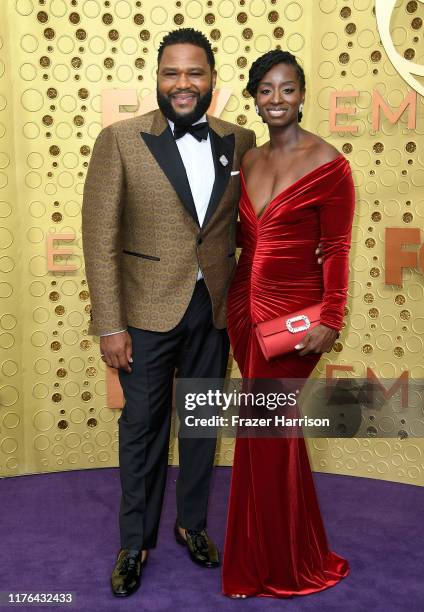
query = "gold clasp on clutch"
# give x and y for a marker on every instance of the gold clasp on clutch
(294, 330)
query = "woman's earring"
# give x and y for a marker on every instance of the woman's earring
(300, 112)
(257, 109)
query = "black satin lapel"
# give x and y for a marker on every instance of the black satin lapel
(165, 151)
(222, 146)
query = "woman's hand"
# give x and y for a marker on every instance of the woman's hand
(320, 339)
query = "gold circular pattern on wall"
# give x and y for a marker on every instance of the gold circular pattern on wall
(107, 19)
(49, 33)
(85, 150)
(193, 9)
(80, 34)
(74, 18)
(400, 299)
(226, 8)
(108, 35)
(409, 54)
(139, 19)
(54, 150)
(76, 62)
(114, 35)
(378, 147)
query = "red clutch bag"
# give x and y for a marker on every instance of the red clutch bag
(279, 336)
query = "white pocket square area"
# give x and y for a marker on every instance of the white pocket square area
(234, 172)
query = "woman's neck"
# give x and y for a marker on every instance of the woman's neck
(284, 138)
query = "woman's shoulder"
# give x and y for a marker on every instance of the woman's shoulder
(321, 155)
(321, 151)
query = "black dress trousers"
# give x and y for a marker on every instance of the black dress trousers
(196, 349)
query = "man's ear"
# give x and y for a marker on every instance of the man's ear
(214, 77)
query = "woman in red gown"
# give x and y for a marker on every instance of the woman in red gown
(297, 191)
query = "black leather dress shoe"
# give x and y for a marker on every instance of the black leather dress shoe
(200, 547)
(126, 575)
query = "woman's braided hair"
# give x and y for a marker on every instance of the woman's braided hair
(263, 64)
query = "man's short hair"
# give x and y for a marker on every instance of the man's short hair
(188, 36)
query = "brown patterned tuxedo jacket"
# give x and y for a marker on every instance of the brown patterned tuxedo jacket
(141, 237)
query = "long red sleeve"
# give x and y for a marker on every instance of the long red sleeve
(336, 215)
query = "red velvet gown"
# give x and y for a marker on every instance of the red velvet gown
(276, 544)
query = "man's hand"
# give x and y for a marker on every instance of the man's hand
(319, 253)
(319, 340)
(116, 350)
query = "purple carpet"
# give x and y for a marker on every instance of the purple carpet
(59, 532)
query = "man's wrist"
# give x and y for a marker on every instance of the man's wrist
(112, 333)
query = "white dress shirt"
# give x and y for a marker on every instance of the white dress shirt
(198, 161)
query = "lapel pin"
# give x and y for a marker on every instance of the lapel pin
(223, 160)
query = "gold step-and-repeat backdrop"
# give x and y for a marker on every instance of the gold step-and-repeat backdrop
(66, 64)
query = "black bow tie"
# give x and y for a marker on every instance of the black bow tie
(200, 131)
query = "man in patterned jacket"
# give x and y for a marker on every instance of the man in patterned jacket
(159, 217)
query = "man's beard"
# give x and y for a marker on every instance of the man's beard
(202, 105)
